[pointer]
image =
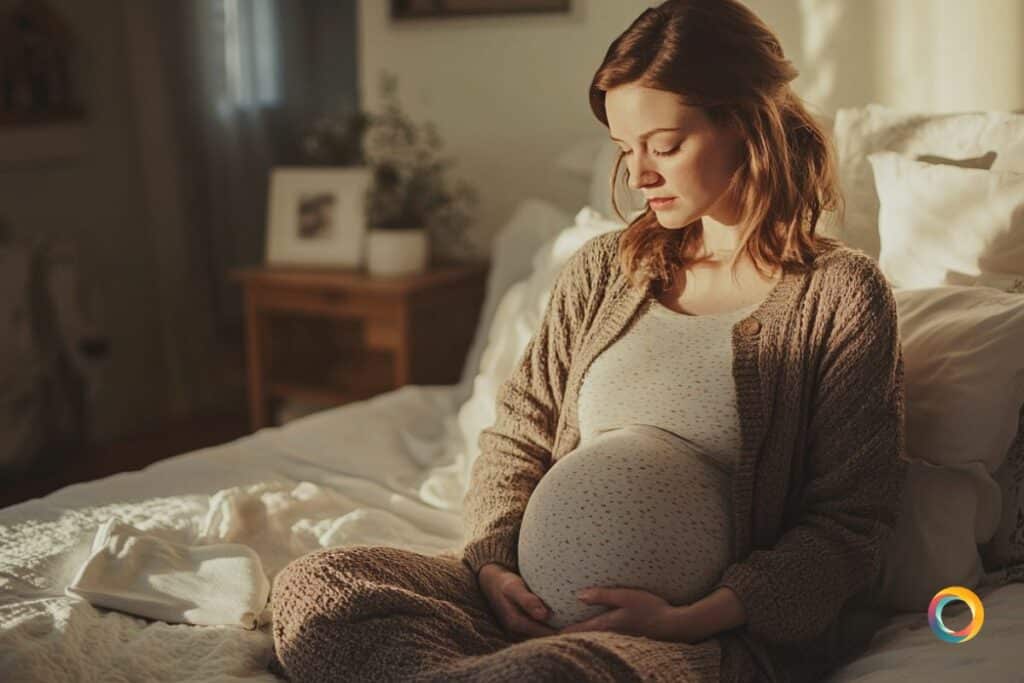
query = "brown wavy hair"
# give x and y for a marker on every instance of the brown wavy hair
(719, 56)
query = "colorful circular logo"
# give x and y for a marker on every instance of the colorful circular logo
(952, 594)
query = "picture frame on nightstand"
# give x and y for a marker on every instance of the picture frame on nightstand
(316, 216)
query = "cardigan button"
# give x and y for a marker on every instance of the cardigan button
(750, 326)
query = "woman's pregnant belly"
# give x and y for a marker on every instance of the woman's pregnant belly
(635, 507)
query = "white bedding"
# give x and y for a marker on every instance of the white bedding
(350, 475)
(340, 477)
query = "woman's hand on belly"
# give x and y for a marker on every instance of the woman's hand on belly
(632, 611)
(513, 603)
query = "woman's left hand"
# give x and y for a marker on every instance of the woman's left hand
(633, 612)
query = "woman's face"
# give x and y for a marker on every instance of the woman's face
(687, 157)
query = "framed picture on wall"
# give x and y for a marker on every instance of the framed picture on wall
(39, 70)
(414, 9)
(42, 115)
(316, 215)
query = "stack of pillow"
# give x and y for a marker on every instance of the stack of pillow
(938, 200)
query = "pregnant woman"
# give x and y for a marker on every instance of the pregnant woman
(706, 430)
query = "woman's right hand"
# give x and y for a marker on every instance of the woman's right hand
(519, 611)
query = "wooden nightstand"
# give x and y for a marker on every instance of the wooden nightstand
(336, 336)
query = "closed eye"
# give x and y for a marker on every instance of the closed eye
(655, 152)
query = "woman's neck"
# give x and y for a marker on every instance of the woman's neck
(721, 241)
(719, 237)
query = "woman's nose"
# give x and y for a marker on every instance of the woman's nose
(641, 174)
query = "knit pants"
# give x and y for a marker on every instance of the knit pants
(380, 613)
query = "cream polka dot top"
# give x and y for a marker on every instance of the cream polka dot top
(673, 371)
(645, 499)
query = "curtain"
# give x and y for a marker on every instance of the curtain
(223, 89)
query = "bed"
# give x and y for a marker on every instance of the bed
(389, 470)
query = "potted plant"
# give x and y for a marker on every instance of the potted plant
(335, 139)
(409, 199)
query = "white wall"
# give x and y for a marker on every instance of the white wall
(509, 93)
(951, 55)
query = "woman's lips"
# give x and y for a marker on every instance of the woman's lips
(661, 203)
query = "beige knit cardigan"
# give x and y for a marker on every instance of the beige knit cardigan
(819, 382)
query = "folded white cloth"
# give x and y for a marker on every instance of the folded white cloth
(141, 574)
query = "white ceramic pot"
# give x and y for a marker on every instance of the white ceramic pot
(397, 252)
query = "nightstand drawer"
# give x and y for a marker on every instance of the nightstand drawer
(320, 301)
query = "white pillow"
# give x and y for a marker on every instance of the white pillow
(988, 140)
(942, 224)
(963, 372)
(936, 540)
(964, 383)
(533, 222)
(516, 319)
(531, 225)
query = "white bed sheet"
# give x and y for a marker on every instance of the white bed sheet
(351, 475)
